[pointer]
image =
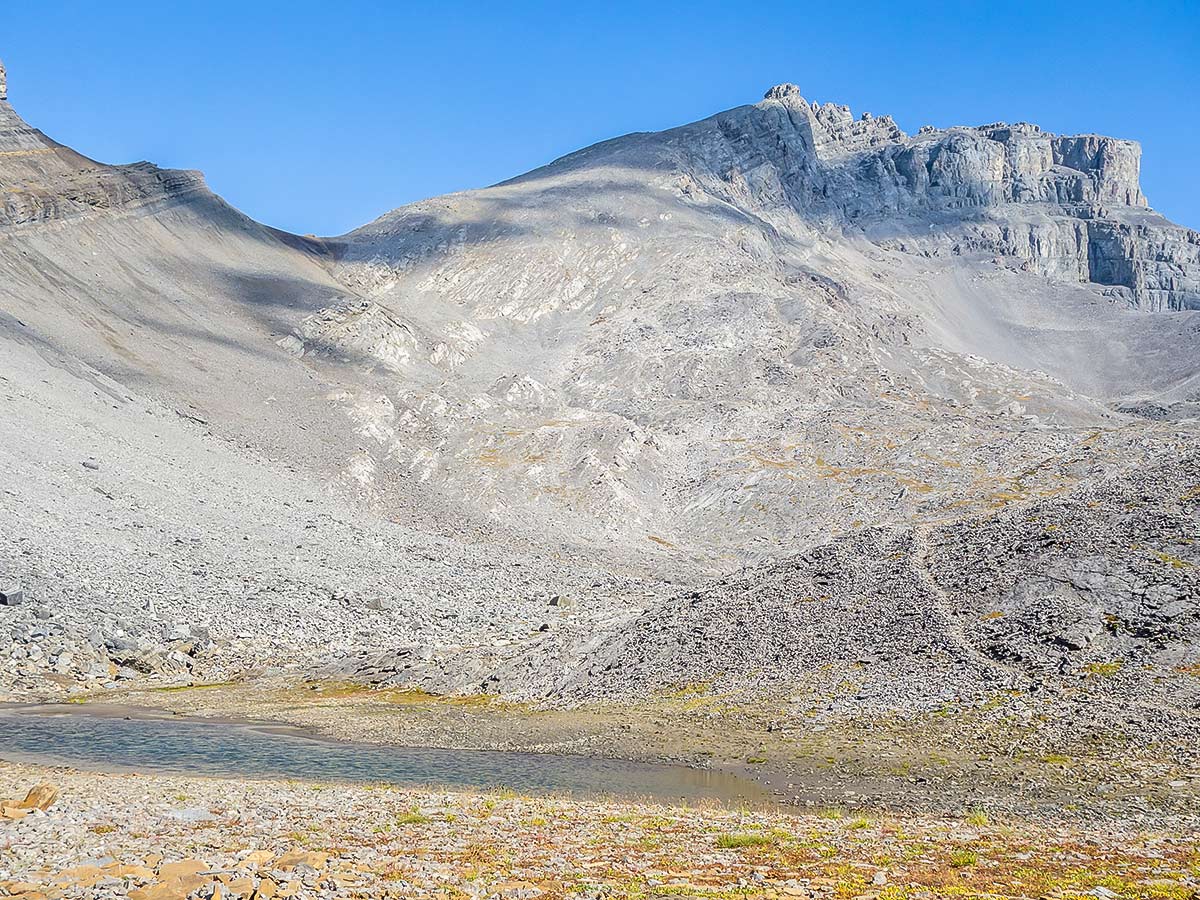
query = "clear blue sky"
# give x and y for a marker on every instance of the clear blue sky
(319, 116)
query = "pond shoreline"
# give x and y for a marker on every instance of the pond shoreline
(105, 738)
(932, 764)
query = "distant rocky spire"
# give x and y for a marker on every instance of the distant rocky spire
(3, 82)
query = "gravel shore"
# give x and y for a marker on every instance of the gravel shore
(159, 837)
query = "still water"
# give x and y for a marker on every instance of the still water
(76, 737)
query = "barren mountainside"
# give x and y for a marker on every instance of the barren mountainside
(757, 401)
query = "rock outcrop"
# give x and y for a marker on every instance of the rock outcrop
(42, 181)
(1070, 207)
(1067, 206)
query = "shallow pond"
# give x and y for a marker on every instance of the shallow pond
(99, 740)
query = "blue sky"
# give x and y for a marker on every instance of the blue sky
(319, 116)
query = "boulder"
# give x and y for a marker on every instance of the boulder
(40, 797)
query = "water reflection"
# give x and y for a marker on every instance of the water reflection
(195, 747)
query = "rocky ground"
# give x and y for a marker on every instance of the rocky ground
(845, 673)
(158, 838)
(134, 562)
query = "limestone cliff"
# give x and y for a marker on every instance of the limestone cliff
(1066, 206)
(1069, 207)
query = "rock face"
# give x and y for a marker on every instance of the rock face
(44, 181)
(680, 381)
(1069, 206)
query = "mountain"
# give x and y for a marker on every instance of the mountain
(679, 328)
(773, 392)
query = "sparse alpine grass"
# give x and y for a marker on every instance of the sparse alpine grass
(963, 858)
(978, 818)
(412, 817)
(739, 839)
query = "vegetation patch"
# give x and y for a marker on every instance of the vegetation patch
(737, 840)
(963, 857)
(978, 818)
(412, 817)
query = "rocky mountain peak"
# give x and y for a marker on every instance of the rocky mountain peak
(1067, 206)
(782, 92)
(827, 129)
(3, 82)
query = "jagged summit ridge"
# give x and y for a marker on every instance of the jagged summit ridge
(975, 165)
(831, 128)
(1068, 206)
(1065, 206)
(782, 91)
(1026, 164)
(1024, 156)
